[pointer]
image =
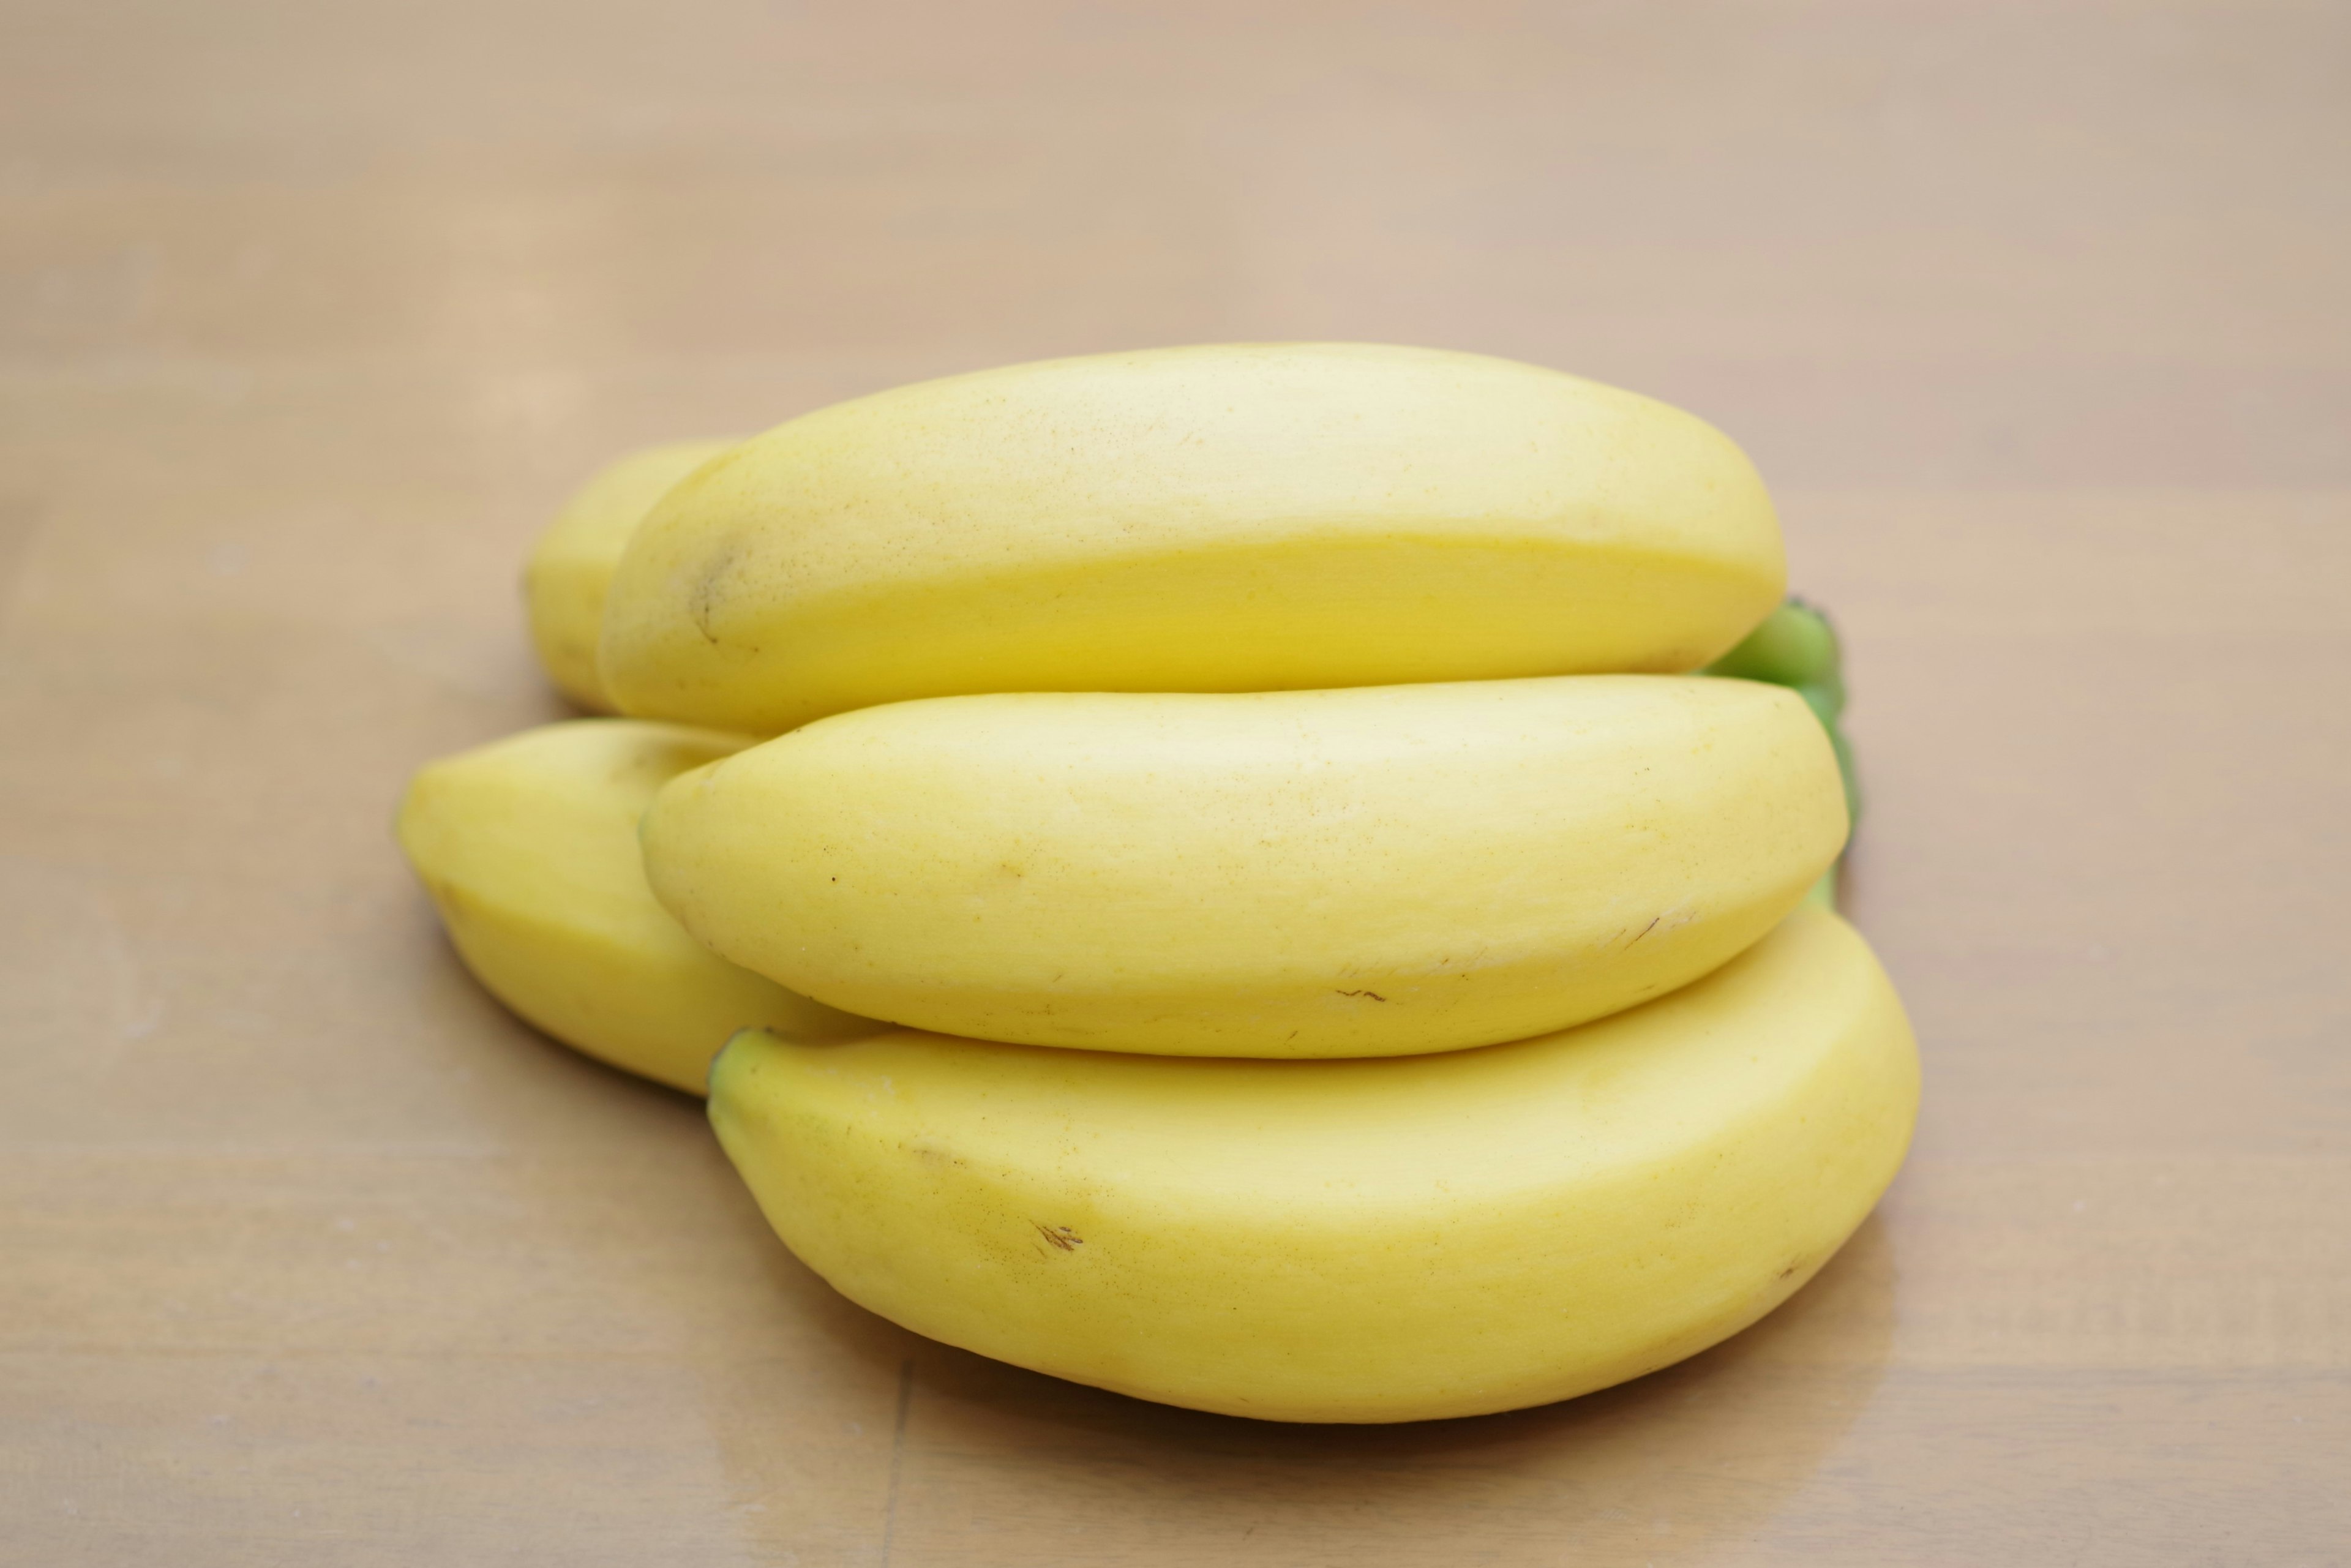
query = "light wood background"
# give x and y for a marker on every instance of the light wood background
(2035, 315)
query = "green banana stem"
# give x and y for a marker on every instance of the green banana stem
(1792, 646)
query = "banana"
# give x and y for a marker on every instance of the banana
(571, 568)
(1242, 517)
(529, 848)
(1797, 647)
(1369, 872)
(1386, 1240)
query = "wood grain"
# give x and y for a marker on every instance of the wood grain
(310, 316)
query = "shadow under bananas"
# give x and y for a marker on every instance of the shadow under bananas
(992, 1464)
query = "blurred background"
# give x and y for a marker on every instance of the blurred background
(2032, 315)
(1950, 245)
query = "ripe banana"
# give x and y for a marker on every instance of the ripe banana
(570, 567)
(1371, 871)
(529, 847)
(1795, 646)
(1244, 518)
(1348, 1240)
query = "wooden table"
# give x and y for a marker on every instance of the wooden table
(309, 315)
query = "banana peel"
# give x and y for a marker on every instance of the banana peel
(1797, 646)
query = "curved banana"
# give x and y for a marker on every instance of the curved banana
(570, 566)
(1241, 517)
(1371, 871)
(1348, 1240)
(529, 847)
(1795, 646)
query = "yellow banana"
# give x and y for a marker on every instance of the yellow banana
(1244, 518)
(1384, 1241)
(529, 847)
(1368, 872)
(570, 567)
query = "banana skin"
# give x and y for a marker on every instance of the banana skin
(570, 567)
(528, 848)
(1797, 646)
(1348, 1241)
(1220, 518)
(1370, 871)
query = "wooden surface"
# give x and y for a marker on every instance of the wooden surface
(2034, 315)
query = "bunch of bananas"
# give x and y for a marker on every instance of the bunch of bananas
(1335, 968)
